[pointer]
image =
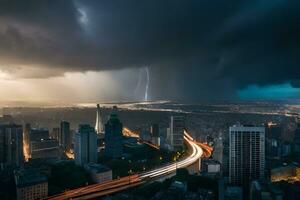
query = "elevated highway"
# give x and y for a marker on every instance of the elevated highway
(117, 185)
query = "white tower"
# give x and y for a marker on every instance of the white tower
(99, 124)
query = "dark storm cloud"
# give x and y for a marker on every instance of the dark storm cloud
(194, 48)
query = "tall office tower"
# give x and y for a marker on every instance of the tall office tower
(246, 154)
(85, 145)
(99, 124)
(65, 136)
(273, 131)
(218, 150)
(296, 141)
(37, 134)
(11, 145)
(48, 148)
(113, 136)
(176, 132)
(154, 130)
(55, 133)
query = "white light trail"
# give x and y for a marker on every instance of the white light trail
(194, 157)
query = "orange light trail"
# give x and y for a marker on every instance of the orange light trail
(207, 150)
(26, 151)
(70, 155)
(129, 133)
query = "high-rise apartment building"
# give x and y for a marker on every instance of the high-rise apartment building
(113, 136)
(11, 145)
(154, 130)
(176, 132)
(55, 133)
(65, 136)
(246, 154)
(155, 136)
(85, 145)
(296, 141)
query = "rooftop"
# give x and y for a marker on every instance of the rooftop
(98, 168)
(28, 177)
(210, 161)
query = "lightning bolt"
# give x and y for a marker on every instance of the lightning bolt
(147, 84)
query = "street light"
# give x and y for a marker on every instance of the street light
(175, 159)
(130, 172)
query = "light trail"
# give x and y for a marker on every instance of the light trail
(194, 157)
(151, 145)
(109, 185)
(129, 133)
(97, 190)
(207, 150)
(70, 155)
(26, 151)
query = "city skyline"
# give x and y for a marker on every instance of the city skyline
(149, 99)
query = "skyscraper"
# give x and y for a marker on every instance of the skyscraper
(55, 133)
(65, 136)
(113, 136)
(218, 150)
(11, 145)
(99, 124)
(35, 135)
(85, 145)
(154, 131)
(176, 132)
(38, 134)
(296, 141)
(246, 154)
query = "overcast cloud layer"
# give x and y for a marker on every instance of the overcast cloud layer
(195, 49)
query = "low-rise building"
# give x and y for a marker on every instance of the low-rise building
(98, 172)
(234, 193)
(210, 166)
(265, 191)
(30, 184)
(285, 172)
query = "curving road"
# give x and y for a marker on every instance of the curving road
(98, 190)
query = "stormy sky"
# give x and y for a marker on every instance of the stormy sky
(196, 50)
